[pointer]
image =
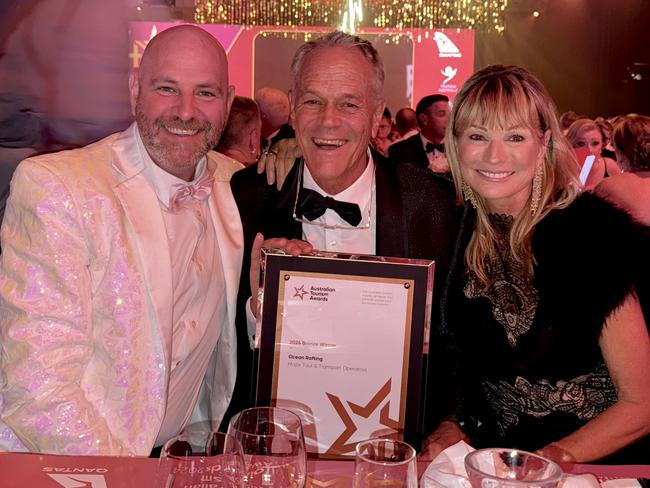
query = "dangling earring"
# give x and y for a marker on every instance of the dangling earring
(468, 195)
(536, 193)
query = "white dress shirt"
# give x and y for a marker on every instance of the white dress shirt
(435, 154)
(437, 159)
(359, 240)
(197, 273)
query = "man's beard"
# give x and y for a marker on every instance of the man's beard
(181, 155)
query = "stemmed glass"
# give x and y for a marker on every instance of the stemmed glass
(273, 445)
(385, 462)
(201, 458)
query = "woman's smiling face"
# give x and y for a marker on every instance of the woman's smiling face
(499, 164)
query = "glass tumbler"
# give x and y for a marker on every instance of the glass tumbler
(385, 462)
(510, 468)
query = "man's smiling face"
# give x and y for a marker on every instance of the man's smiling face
(181, 99)
(335, 111)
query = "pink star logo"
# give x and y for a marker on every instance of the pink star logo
(300, 292)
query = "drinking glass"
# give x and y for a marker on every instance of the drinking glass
(273, 445)
(510, 468)
(201, 458)
(385, 462)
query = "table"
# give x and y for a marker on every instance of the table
(22, 470)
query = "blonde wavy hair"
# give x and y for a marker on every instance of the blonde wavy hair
(503, 96)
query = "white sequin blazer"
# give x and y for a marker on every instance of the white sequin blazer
(86, 303)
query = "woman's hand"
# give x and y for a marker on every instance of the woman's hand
(446, 434)
(278, 161)
(556, 453)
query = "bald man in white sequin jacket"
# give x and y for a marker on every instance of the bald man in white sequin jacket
(117, 306)
(116, 339)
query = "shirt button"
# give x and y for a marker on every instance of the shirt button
(193, 324)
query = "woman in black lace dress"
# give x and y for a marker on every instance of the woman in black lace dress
(552, 350)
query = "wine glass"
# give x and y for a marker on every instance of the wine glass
(201, 458)
(510, 468)
(385, 462)
(273, 445)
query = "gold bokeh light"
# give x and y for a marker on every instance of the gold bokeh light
(486, 15)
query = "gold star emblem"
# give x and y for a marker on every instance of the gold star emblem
(300, 292)
(334, 483)
(339, 446)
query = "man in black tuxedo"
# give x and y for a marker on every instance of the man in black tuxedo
(427, 148)
(371, 207)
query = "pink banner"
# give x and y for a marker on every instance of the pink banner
(43, 471)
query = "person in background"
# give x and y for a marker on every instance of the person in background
(64, 70)
(383, 208)
(606, 129)
(631, 189)
(426, 148)
(553, 353)
(406, 123)
(274, 109)
(117, 298)
(241, 137)
(585, 134)
(566, 119)
(380, 141)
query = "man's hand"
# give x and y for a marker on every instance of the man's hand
(295, 247)
(278, 161)
(447, 434)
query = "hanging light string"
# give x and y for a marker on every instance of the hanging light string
(486, 15)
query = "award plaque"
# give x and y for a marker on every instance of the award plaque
(341, 340)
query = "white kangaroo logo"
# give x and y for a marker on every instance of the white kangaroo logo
(448, 73)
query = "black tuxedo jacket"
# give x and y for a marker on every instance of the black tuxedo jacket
(285, 132)
(416, 217)
(409, 150)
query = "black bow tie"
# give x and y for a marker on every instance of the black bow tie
(430, 147)
(312, 205)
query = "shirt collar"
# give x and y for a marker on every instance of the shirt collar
(358, 192)
(158, 178)
(426, 141)
(273, 134)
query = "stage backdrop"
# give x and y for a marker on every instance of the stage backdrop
(418, 62)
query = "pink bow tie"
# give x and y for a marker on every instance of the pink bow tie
(182, 194)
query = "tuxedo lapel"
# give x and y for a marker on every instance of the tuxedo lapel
(279, 221)
(142, 210)
(420, 155)
(391, 232)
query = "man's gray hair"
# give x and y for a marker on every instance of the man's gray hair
(341, 39)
